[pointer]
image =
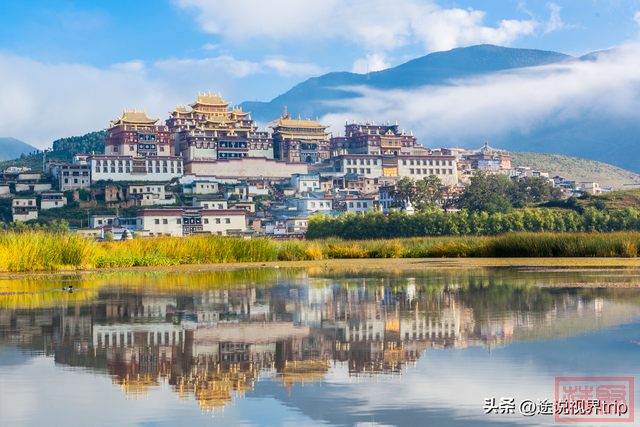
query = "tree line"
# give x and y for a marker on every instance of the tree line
(377, 225)
(85, 144)
(485, 193)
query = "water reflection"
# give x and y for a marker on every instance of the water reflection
(211, 337)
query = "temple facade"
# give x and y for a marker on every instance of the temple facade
(300, 141)
(373, 139)
(209, 131)
(134, 134)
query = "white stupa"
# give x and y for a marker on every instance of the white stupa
(408, 207)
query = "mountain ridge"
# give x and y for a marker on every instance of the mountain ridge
(12, 148)
(612, 140)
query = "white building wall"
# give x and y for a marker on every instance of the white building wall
(161, 225)
(49, 204)
(220, 223)
(359, 206)
(38, 188)
(310, 206)
(210, 204)
(444, 168)
(121, 169)
(369, 167)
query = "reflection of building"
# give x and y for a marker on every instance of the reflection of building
(213, 344)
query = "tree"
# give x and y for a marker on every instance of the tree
(423, 193)
(487, 193)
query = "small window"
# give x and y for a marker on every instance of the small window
(206, 221)
(217, 220)
(227, 221)
(220, 206)
(157, 221)
(179, 221)
(165, 221)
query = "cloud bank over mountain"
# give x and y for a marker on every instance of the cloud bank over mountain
(483, 107)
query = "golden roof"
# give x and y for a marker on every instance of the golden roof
(209, 99)
(299, 123)
(179, 109)
(134, 117)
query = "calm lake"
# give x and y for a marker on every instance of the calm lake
(310, 347)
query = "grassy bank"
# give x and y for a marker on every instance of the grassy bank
(34, 251)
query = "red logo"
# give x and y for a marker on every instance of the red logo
(599, 399)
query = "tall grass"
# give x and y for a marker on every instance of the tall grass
(33, 251)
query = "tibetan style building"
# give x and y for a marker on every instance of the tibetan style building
(136, 149)
(300, 141)
(372, 139)
(134, 134)
(209, 131)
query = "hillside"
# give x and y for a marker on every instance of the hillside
(63, 150)
(575, 168)
(11, 148)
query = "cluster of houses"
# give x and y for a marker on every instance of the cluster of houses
(210, 170)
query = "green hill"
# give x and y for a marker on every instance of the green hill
(576, 169)
(11, 148)
(63, 150)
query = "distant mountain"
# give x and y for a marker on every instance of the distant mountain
(11, 148)
(613, 141)
(309, 97)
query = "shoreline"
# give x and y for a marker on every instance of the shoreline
(358, 263)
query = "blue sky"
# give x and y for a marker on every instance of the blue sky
(76, 64)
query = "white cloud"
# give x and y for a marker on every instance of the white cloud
(224, 64)
(131, 66)
(373, 24)
(555, 21)
(473, 110)
(287, 68)
(210, 46)
(372, 62)
(43, 102)
(636, 17)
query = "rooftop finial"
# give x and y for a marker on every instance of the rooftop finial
(209, 93)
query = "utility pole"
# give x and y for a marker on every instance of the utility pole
(88, 220)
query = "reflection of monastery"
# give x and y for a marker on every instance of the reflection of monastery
(215, 346)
